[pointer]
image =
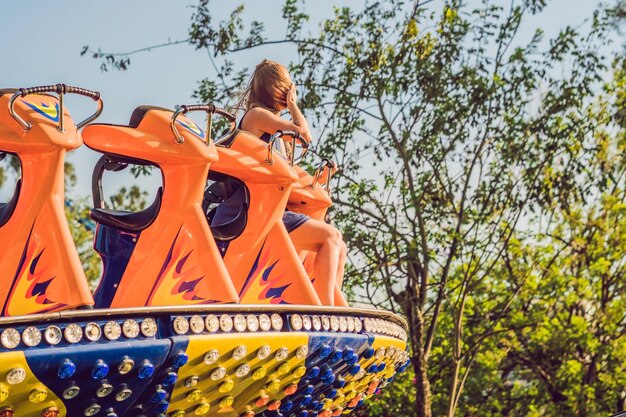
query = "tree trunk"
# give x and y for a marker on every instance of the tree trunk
(415, 320)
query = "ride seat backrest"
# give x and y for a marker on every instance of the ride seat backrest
(129, 221)
(7, 209)
(222, 189)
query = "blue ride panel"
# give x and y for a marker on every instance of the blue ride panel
(115, 247)
(107, 379)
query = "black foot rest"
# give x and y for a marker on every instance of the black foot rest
(129, 221)
(7, 209)
(229, 199)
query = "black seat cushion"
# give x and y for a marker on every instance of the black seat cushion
(235, 198)
(129, 221)
(7, 209)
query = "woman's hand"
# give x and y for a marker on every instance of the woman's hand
(292, 98)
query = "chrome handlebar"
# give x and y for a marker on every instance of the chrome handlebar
(210, 109)
(295, 137)
(61, 90)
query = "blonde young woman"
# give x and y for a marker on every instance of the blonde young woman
(270, 92)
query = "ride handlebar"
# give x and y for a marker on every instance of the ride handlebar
(61, 90)
(325, 162)
(295, 137)
(210, 109)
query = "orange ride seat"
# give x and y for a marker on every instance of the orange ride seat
(261, 259)
(40, 267)
(166, 254)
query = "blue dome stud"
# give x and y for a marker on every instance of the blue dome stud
(354, 369)
(145, 371)
(159, 395)
(324, 351)
(352, 359)
(313, 372)
(162, 407)
(170, 379)
(339, 383)
(180, 360)
(332, 394)
(368, 353)
(306, 400)
(100, 371)
(308, 390)
(286, 406)
(336, 356)
(347, 353)
(67, 369)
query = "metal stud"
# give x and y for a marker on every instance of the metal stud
(123, 394)
(242, 370)
(125, 366)
(112, 330)
(92, 410)
(325, 323)
(263, 352)
(104, 390)
(240, 323)
(212, 323)
(211, 356)
(281, 354)
(240, 352)
(149, 327)
(53, 335)
(71, 392)
(252, 322)
(226, 323)
(302, 352)
(306, 323)
(317, 323)
(265, 323)
(296, 322)
(10, 338)
(196, 324)
(218, 373)
(31, 336)
(130, 328)
(73, 333)
(277, 322)
(181, 325)
(93, 332)
(192, 381)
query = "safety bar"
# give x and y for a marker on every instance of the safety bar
(318, 173)
(61, 90)
(210, 109)
(295, 137)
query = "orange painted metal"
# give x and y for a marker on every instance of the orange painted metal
(176, 260)
(37, 254)
(262, 262)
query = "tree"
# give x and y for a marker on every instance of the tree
(452, 134)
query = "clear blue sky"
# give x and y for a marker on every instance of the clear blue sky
(42, 41)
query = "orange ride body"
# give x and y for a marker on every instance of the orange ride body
(262, 261)
(39, 265)
(175, 260)
(314, 202)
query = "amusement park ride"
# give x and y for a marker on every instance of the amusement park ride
(190, 318)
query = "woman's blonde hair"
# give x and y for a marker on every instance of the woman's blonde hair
(268, 87)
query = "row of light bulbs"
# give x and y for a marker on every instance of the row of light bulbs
(31, 336)
(252, 323)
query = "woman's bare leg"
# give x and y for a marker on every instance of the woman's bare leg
(325, 241)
